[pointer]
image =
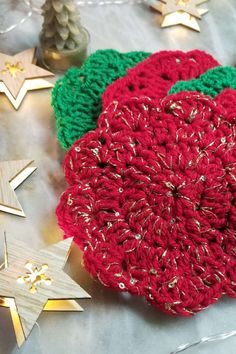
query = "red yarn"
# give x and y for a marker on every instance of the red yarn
(152, 200)
(227, 98)
(154, 76)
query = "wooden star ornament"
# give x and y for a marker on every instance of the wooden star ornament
(179, 12)
(19, 74)
(12, 174)
(34, 281)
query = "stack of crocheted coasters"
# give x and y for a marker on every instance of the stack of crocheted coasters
(151, 196)
(76, 98)
(151, 199)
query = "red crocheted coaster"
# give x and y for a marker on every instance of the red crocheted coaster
(156, 75)
(152, 200)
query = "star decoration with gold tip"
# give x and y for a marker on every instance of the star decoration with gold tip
(18, 74)
(12, 174)
(179, 12)
(56, 293)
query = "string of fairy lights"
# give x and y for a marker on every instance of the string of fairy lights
(36, 9)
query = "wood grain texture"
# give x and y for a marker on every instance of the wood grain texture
(19, 74)
(14, 70)
(12, 174)
(28, 85)
(189, 6)
(30, 305)
(180, 12)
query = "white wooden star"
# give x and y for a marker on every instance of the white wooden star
(188, 6)
(12, 174)
(179, 12)
(53, 290)
(19, 74)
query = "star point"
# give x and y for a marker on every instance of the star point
(12, 174)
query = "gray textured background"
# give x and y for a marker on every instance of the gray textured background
(112, 323)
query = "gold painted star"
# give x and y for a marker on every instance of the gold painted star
(12, 174)
(53, 289)
(179, 12)
(12, 69)
(19, 74)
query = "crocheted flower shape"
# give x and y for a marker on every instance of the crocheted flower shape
(76, 98)
(155, 76)
(152, 200)
(211, 83)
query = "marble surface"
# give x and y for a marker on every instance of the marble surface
(112, 323)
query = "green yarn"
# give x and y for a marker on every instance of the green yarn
(211, 83)
(76, 98)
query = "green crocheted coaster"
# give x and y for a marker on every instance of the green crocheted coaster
(211, 83)
(76, 98)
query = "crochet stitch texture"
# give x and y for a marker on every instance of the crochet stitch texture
(76, 98)
(155, 76)
(152, 199)
(211, 83)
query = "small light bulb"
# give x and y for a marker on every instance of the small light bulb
(32, 290)
(20, 280)
(44, 266)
